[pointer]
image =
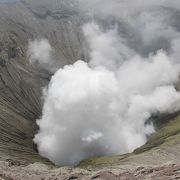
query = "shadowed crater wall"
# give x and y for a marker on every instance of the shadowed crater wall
(20, 83)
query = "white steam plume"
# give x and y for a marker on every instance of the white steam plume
(102, 107)
(40, 53)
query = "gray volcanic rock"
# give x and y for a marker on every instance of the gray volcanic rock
(20, 83)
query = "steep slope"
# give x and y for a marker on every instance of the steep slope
(20, 84)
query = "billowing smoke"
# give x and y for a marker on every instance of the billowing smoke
(102, 107)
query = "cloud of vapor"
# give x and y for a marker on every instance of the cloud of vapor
(102, 107)
(123, 8)
(40, 53)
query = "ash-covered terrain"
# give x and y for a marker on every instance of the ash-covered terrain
(20, 83)
(144, 28)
